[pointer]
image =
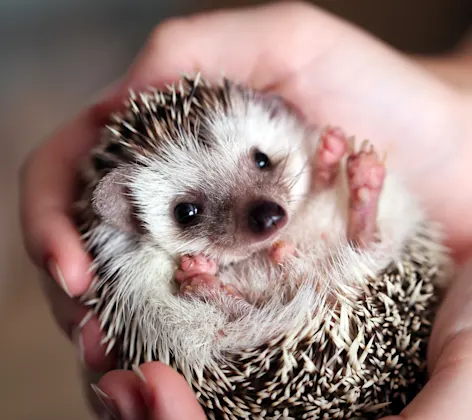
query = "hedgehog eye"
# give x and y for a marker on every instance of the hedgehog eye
(186, 213)
(262, 160)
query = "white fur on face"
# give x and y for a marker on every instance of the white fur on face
(219, 173)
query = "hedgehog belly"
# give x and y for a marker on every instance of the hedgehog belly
(317, 371)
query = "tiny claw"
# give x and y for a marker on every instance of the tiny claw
(365, 145)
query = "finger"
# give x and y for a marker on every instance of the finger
(168, 396)
(156, 386)
(243, 50)
(47, 191)
(448, 394)
(48, 181)
(95, 355)
(79, 325)
(90, 393)
(454, 315)
(120, 395)
(67, 312)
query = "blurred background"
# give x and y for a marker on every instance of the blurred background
(56, 54)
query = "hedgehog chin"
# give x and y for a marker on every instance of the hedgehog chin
(227, 259)
(232, 255)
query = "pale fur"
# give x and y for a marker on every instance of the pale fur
(188, 330)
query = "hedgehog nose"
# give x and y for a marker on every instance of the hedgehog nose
(266, 217)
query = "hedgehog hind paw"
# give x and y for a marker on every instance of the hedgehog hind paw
(365, 175)
(332, 148)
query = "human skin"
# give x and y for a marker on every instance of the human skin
(334, 74)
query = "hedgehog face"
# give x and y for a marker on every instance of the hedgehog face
(225, 187)
(229, 190)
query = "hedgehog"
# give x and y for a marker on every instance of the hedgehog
(283, 269)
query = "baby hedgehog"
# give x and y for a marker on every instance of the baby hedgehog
(279, 267)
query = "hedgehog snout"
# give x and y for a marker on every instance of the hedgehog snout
(265, 218)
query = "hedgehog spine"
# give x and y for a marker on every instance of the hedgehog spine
(141, 309)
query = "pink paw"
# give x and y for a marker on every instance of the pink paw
(332, 148)
(197, 277)
(191, 266)
(366, 174)
(198, 263)
(365, 170)
(198, 281)
(333, 145)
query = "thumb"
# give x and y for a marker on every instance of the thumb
(167, 395)
(153, 391)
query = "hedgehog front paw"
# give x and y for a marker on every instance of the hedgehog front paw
(191, 265)
(366, 174)
(197, 277)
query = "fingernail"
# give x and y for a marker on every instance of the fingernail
(108, 403)
(56, 273)
(145, 391)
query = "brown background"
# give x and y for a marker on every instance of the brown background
(57, 54)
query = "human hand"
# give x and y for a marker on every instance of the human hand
(334, 74)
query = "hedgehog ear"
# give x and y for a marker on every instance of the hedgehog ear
(111, 201)
(276, 104)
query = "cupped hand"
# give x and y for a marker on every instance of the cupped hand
(334, 74)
